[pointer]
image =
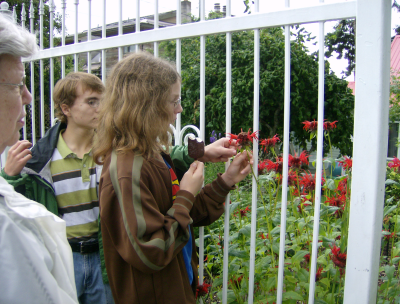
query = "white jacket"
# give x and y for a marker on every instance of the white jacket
(36, 264)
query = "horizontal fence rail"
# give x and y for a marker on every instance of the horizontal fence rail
(371, 102)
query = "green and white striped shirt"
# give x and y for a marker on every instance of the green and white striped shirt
(75, 184)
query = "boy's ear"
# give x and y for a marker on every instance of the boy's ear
(65, 109)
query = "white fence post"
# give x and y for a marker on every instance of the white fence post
(370, 149)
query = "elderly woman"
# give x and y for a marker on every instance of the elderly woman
(35, 257)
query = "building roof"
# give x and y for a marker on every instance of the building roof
(395, 55)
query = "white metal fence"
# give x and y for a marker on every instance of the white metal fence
(370, 125)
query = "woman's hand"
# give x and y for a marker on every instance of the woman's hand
(17, 157)
(239, 168)
(193, 179)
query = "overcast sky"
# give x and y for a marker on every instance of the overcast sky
(237, 9)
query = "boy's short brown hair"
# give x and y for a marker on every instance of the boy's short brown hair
(65, 90)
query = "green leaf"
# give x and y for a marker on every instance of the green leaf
(325, 281)
(246, 230)
(330, 184)
(391, 182)
(388, 209)
(303, 275)
(299, 256)
(389, 271)
(239, 253)
(292, 295)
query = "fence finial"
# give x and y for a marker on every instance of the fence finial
(31, 11)
(4, 9)
(52, 6)
(23, 15)
(41, 8)
(14, 14)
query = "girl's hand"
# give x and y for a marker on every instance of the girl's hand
(238, 169)
(193, 179)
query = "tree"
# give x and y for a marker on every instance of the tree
(339, 102)
(342, 40)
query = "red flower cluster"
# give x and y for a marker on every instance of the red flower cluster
(342, 186)
(263, 236)
(312, 126)
(277, 166)
(243, 138)
(262, 166)
(394, 164)
(308, 181)
(339, 259)
(242, 212)
(329, 125)
(296, 161)
(202, 290)
(347, 163)
(269, 142)
(339, 201)
(318, 274)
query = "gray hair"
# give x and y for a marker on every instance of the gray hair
(14, 40)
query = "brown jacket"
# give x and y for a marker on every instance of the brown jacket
(144, 232)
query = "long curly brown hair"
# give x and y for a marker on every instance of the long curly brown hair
(133, 112)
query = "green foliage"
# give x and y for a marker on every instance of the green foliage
(339, 102)
(394, 111)
(342, 41)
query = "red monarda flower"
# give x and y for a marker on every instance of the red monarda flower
(277, 166)
(262, 166)
(310, 126)
(308, 181)
(394, 164)
(297, 161)
(339, 201)
(318, 274)
(244, 138)
(269, 142)
(342, 186)
(202, 290)
(339, 259)
(347, 163)
(263, 236)
(329, 125)
(292, 178)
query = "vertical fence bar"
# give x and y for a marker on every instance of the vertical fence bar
(89, 36)
(76, 68)
(369, 147)
(41, 76)
(320, 153)
(23, 19)
(103, 52)
(63, 6)
(32, 64)
(202, 124)
(120, 30)
(14, 14)
(156, 26)
(285, 169)
(52, 10)
(225, 266)
(256, 118)
(178, 62)
(137, 25)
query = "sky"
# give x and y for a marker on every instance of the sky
(237, 9)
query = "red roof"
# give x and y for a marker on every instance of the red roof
(352, 86)
(395, 55)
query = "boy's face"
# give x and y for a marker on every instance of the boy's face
(84, 112)
(173, 104)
